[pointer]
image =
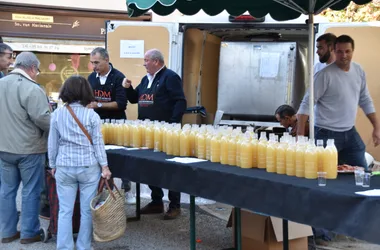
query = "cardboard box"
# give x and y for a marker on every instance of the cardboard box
(261, 232)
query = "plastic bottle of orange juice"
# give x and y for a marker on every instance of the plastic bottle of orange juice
(149, 136)
(126, 134)
(246, 152)
(157, 137)
(271, 154)
(261, 151)
(290, 157)
(320, 149)
(254, 143)
(281, 155)
(184, 140)
(175, 138)
(330, 160)
(311, 161)
(224, 149)
(201, 143)
(169, 140)
(209, 135)
(193, 142)
(300, 157)
(232, 149)
(137, 140)
(216, 146)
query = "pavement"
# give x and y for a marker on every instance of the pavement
(153, 233)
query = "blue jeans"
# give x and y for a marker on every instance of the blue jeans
(351, 148)
(28, 169)
(68, 179)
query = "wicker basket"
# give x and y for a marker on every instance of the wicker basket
(109, 220)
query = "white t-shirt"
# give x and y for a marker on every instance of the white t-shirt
(319, 66)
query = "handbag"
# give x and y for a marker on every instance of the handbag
(108, 213)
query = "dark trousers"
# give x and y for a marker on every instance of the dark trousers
(351, 148)
(157, 195)
(351, 151)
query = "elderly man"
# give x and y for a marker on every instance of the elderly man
(160, 97)
(25, 114)
(286, 115)
(6, 56)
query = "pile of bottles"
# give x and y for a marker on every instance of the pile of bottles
(227, 145)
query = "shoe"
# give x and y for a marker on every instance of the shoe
(45, 213)
(43, 236)
(10, 239)
(130, 199)
(152, 208)
(172, 213)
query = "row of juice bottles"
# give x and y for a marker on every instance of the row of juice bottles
(301, 158)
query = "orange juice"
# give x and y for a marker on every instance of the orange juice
(224, 150)
(271, 156)
(311, 161)
(254, 143)
(157, 138)
(290, 158)
(320, 150)
(176, 141)
(246, 153)
(192, 138)
(149, 137)
(131, 126)
(261, 151)
(330, 160)
(215, 148)
(300, 159)
(201, 141)
(125, 135)
(184, 146)
(232, 150)
(208, 144)
(281, 157)
(169, 141)
(137, 140)
(238, 146)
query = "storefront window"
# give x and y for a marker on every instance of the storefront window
(56, 68)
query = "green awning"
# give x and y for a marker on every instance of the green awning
(280, 10)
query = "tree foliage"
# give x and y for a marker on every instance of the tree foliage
(355, 13)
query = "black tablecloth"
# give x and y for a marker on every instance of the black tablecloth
(334, 207)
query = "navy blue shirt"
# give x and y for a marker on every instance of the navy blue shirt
(163, 101)
(111, 91)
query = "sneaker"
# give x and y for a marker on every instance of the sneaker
(130, 199)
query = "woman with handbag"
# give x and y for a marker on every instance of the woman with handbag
(78, 158)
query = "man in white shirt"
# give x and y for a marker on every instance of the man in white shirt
(325, 51)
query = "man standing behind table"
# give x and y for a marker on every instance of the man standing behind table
(338, 90)
(325, 51)
(25, 114)
(111, 98)
(160, 97)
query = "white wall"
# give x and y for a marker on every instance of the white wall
(109, 5)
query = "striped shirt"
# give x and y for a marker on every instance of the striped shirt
(68, 145)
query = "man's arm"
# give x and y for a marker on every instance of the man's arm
(174, 86)
(320, 87)
(132, 94)
(36, 105)
(366, 103)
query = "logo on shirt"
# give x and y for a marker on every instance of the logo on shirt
(146, 100)
(101, 95)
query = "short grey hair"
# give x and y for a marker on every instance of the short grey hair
(155, 54)
(102, 52)
(4, 47)
(27, 60)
